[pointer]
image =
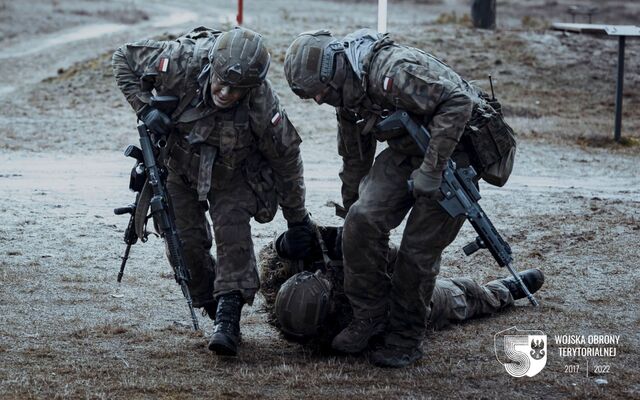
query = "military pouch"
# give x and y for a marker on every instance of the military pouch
(223, 170)
(259, 176)
(184, 162)
(494, 146)
(492, 101)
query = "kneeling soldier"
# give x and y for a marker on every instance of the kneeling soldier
(311, 306)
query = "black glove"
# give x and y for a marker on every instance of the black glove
(426, 182)
(156, 121)
(298, 241)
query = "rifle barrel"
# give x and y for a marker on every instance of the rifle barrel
(124, 261)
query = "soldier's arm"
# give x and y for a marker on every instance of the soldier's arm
(441, 103)
(357, 156)
(130, 62)
(279, 143)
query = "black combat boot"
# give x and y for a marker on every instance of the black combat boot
(391, 356)
(226, 332)
(356, 336)
(532, 278)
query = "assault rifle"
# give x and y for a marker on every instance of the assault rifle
(460, 198)
(148, 180)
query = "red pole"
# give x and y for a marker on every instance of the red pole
(239, 16)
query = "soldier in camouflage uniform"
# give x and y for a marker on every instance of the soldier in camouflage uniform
(232, 151)
(367, 76)
(311, 305)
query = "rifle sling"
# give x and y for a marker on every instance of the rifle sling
(140, 218)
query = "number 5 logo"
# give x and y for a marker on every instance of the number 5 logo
(522, 352)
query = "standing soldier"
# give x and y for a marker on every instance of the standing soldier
(366, 76)
(232, 151)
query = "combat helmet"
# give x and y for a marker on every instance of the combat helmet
(310, 63)
(302, 304)
(240, 58)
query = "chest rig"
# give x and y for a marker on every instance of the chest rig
(212, 148)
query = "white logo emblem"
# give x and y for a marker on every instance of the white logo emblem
(522, 352)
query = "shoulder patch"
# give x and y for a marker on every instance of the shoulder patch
(275, 120)
(163, 65)
(387, 84)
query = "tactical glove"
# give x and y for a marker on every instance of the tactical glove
(155, 120)
(298, 241)
(426, 182)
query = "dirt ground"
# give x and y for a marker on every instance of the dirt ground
(571, 208)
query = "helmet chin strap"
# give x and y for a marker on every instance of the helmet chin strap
(351, 87)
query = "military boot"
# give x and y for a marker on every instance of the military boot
(355, 337)
(533, 279)
(391, 356)
(226, 332)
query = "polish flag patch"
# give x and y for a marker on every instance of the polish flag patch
(387, 84)
(163, 65)
(275, 120)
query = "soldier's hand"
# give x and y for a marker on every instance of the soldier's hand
(298, 241)
(156, 121)
(426, 183)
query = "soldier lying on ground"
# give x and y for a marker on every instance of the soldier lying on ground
(306, 300)
(367, 76)
(232, 152)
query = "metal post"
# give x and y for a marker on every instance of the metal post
(618, 121)
(483, 14)
(382, 16)
(239, 16)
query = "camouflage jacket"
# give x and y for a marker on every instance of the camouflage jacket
(254, 134)
(400, 77)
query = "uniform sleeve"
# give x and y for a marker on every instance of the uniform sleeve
(442, 103)
(279, 143)
(354, 164)
(132, 61)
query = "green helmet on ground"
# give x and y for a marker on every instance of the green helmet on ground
(302, 304)
(309, 64)
(240, 58)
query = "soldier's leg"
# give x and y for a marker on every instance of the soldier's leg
(231, 211)
(383, 202)
(459, 299)
(428, 231)
(236, 274)
(195, 234)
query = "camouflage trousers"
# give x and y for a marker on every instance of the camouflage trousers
(384, 200)
(230, 210)
(460, 299)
